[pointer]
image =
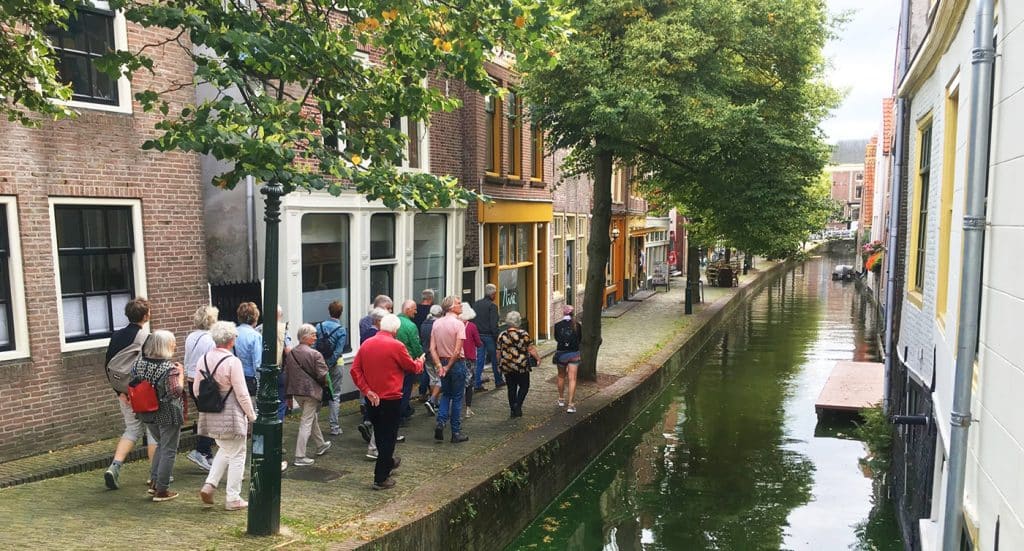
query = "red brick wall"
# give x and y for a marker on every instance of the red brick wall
(55, 399)
(867, 196)
(572, 194)
(841, 186)
(474, 126)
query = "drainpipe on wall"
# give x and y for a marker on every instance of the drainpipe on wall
(480, 241)
(250, 229)
(982, 61)
(894, 208)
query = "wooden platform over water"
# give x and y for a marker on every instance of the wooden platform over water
(851, 387)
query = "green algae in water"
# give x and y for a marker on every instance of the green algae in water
(730, 455)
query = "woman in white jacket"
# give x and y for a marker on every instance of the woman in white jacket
(230, 426)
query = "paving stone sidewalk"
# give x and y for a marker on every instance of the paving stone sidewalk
(323, 504)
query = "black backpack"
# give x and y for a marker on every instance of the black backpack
(566, 335)
(208, 399)
(325, 345)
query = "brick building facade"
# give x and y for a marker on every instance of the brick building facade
(867, 196)
(573, 203)
(626, 268)
(505, 160)
(348, 248)
(89, 221)
(846, 171)
(628, 263)
(938, 139)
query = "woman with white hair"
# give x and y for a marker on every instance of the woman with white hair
(197, 344)
(515, 349)
(231, 425)
(167, 378)
(469, 348)
(306, 372)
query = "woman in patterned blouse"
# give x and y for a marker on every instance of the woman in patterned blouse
(168, 378)
(515, 349)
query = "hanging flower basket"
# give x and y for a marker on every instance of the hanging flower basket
(874, 262)
(873, 247)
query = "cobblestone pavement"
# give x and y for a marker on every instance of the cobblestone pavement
(324, 503)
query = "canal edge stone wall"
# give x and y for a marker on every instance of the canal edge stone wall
(533, 470)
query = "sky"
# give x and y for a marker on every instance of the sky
(861, 64)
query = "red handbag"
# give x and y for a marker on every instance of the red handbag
(142, 396)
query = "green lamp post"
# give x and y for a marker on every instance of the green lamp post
(265, 472)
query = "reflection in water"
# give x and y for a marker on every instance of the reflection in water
(727, 457)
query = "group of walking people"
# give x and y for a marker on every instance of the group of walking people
(151, 390)
(443, 347)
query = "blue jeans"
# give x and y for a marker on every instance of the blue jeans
(486, 352)
(424, 381)
(407, 384)
(282, 408)
(453, 387)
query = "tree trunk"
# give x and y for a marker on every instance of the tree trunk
(693, 273)
(597, 259)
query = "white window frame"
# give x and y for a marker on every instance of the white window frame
(397, 276)
(408, 221)
(19, 330)
(558, 256)
(423, 145)
(138, 260)
(124, 87)
(582, 258)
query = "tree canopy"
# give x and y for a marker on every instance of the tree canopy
(290, 76)
(715, 102)
(29, 81)
(285, 94)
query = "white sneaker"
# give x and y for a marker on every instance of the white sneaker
(572, 409)
(302, 462)
(561, 403)
(199, 459)
(371, 454)
(323, 449)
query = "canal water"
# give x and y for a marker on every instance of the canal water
(731, 455)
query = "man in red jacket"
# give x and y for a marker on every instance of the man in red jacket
(378, 370)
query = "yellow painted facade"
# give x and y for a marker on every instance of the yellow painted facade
(501, 211)
(516, 257)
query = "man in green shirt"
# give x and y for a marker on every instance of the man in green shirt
(410, 337)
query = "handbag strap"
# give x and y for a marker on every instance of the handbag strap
(302, 367)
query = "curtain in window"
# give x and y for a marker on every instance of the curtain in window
(429, 260)
(325, 265)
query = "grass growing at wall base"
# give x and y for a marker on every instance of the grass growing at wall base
(876, 433)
